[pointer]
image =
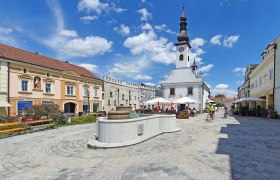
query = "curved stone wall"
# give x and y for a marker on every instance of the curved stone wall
(118, 133)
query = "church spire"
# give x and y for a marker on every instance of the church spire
(183, 36)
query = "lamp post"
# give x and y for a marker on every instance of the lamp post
(88, 108)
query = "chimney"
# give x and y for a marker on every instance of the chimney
(36, 53)
(67, 62)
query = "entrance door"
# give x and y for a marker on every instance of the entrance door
(70, 107)
(95, 107)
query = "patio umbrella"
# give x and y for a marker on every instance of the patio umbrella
(3, 103)
(158, 100)
(185, 100)
(249, 99)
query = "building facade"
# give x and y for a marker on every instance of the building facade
(277, 75)
(34, 79)
(262, 78)
(184, 80)
(4, 75)
(146, 93)
(119, 93)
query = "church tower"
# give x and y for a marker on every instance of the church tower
(183, 46)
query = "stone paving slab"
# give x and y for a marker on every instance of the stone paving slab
(232, 148)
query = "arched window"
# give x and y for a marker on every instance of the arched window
(181, 57)
(188, 59)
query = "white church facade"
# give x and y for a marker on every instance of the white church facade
(184, 80)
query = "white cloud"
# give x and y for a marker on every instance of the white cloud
(90, 67)
(239, 70)
(239, 82)
(227, 92)
(149, 84)
(221, 86)
(119, 10)
(88, 19)
(163, 27)
(6, 36)
(216, 40)
(205, 69)
(69, 33)
(147, 43)
(142, 77)
(86, 47)
(6, 30)
(223, 89)
(92, 5)
(123, 30)
(67, 43)
(197, 42)
(230, 41)
(227, 41)
(132, 68)
(145, 15)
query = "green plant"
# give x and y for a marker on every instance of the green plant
(58, 118)
(242, 111)
(235, 111)
(83, 119)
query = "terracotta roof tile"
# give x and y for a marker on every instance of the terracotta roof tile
(36, 59)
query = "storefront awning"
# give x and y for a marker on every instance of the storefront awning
(3, 103)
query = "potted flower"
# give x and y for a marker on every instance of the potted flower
(272, 114)
(241, 111)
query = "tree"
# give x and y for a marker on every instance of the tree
(220, 96)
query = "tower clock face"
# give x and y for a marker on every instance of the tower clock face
(181, 49)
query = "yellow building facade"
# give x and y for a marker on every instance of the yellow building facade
(36, 80)
(262, 78)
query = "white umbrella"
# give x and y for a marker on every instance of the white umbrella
(185, 100)
(158, 100)
(3, 103)
(249, 99)
(210, 101)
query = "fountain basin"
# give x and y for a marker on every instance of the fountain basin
(116, 115)
(118, 133)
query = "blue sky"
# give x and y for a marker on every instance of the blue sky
(133, 40)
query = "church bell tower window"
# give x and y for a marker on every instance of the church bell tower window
(181, 57)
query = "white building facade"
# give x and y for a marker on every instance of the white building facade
(184, 81)
(119, 93)
(146, 93)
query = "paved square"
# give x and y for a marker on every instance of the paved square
(232, 148)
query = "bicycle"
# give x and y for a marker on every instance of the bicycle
(225, 115)
(210, 116)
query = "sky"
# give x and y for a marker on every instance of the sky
(133, 40)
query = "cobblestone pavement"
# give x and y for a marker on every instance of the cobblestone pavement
(232, 148)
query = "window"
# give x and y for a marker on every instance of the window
(111, 94)
(260, 81)
(130, 97)
(24, 85)
(86, 91)
(122, 96)
(115, 103)
(48, 88)
(190, 91)
(172, 91)
(271, 74)
(181, 57)
(109, 103)
(48, 74)
(252, 86)
(70, 90)
(256, 83)
(95, 93)
(24, 70)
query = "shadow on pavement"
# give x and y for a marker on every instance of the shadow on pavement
(253, 146)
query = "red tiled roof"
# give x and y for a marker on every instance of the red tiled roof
(39, 60)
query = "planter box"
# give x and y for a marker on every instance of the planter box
(272, 115)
